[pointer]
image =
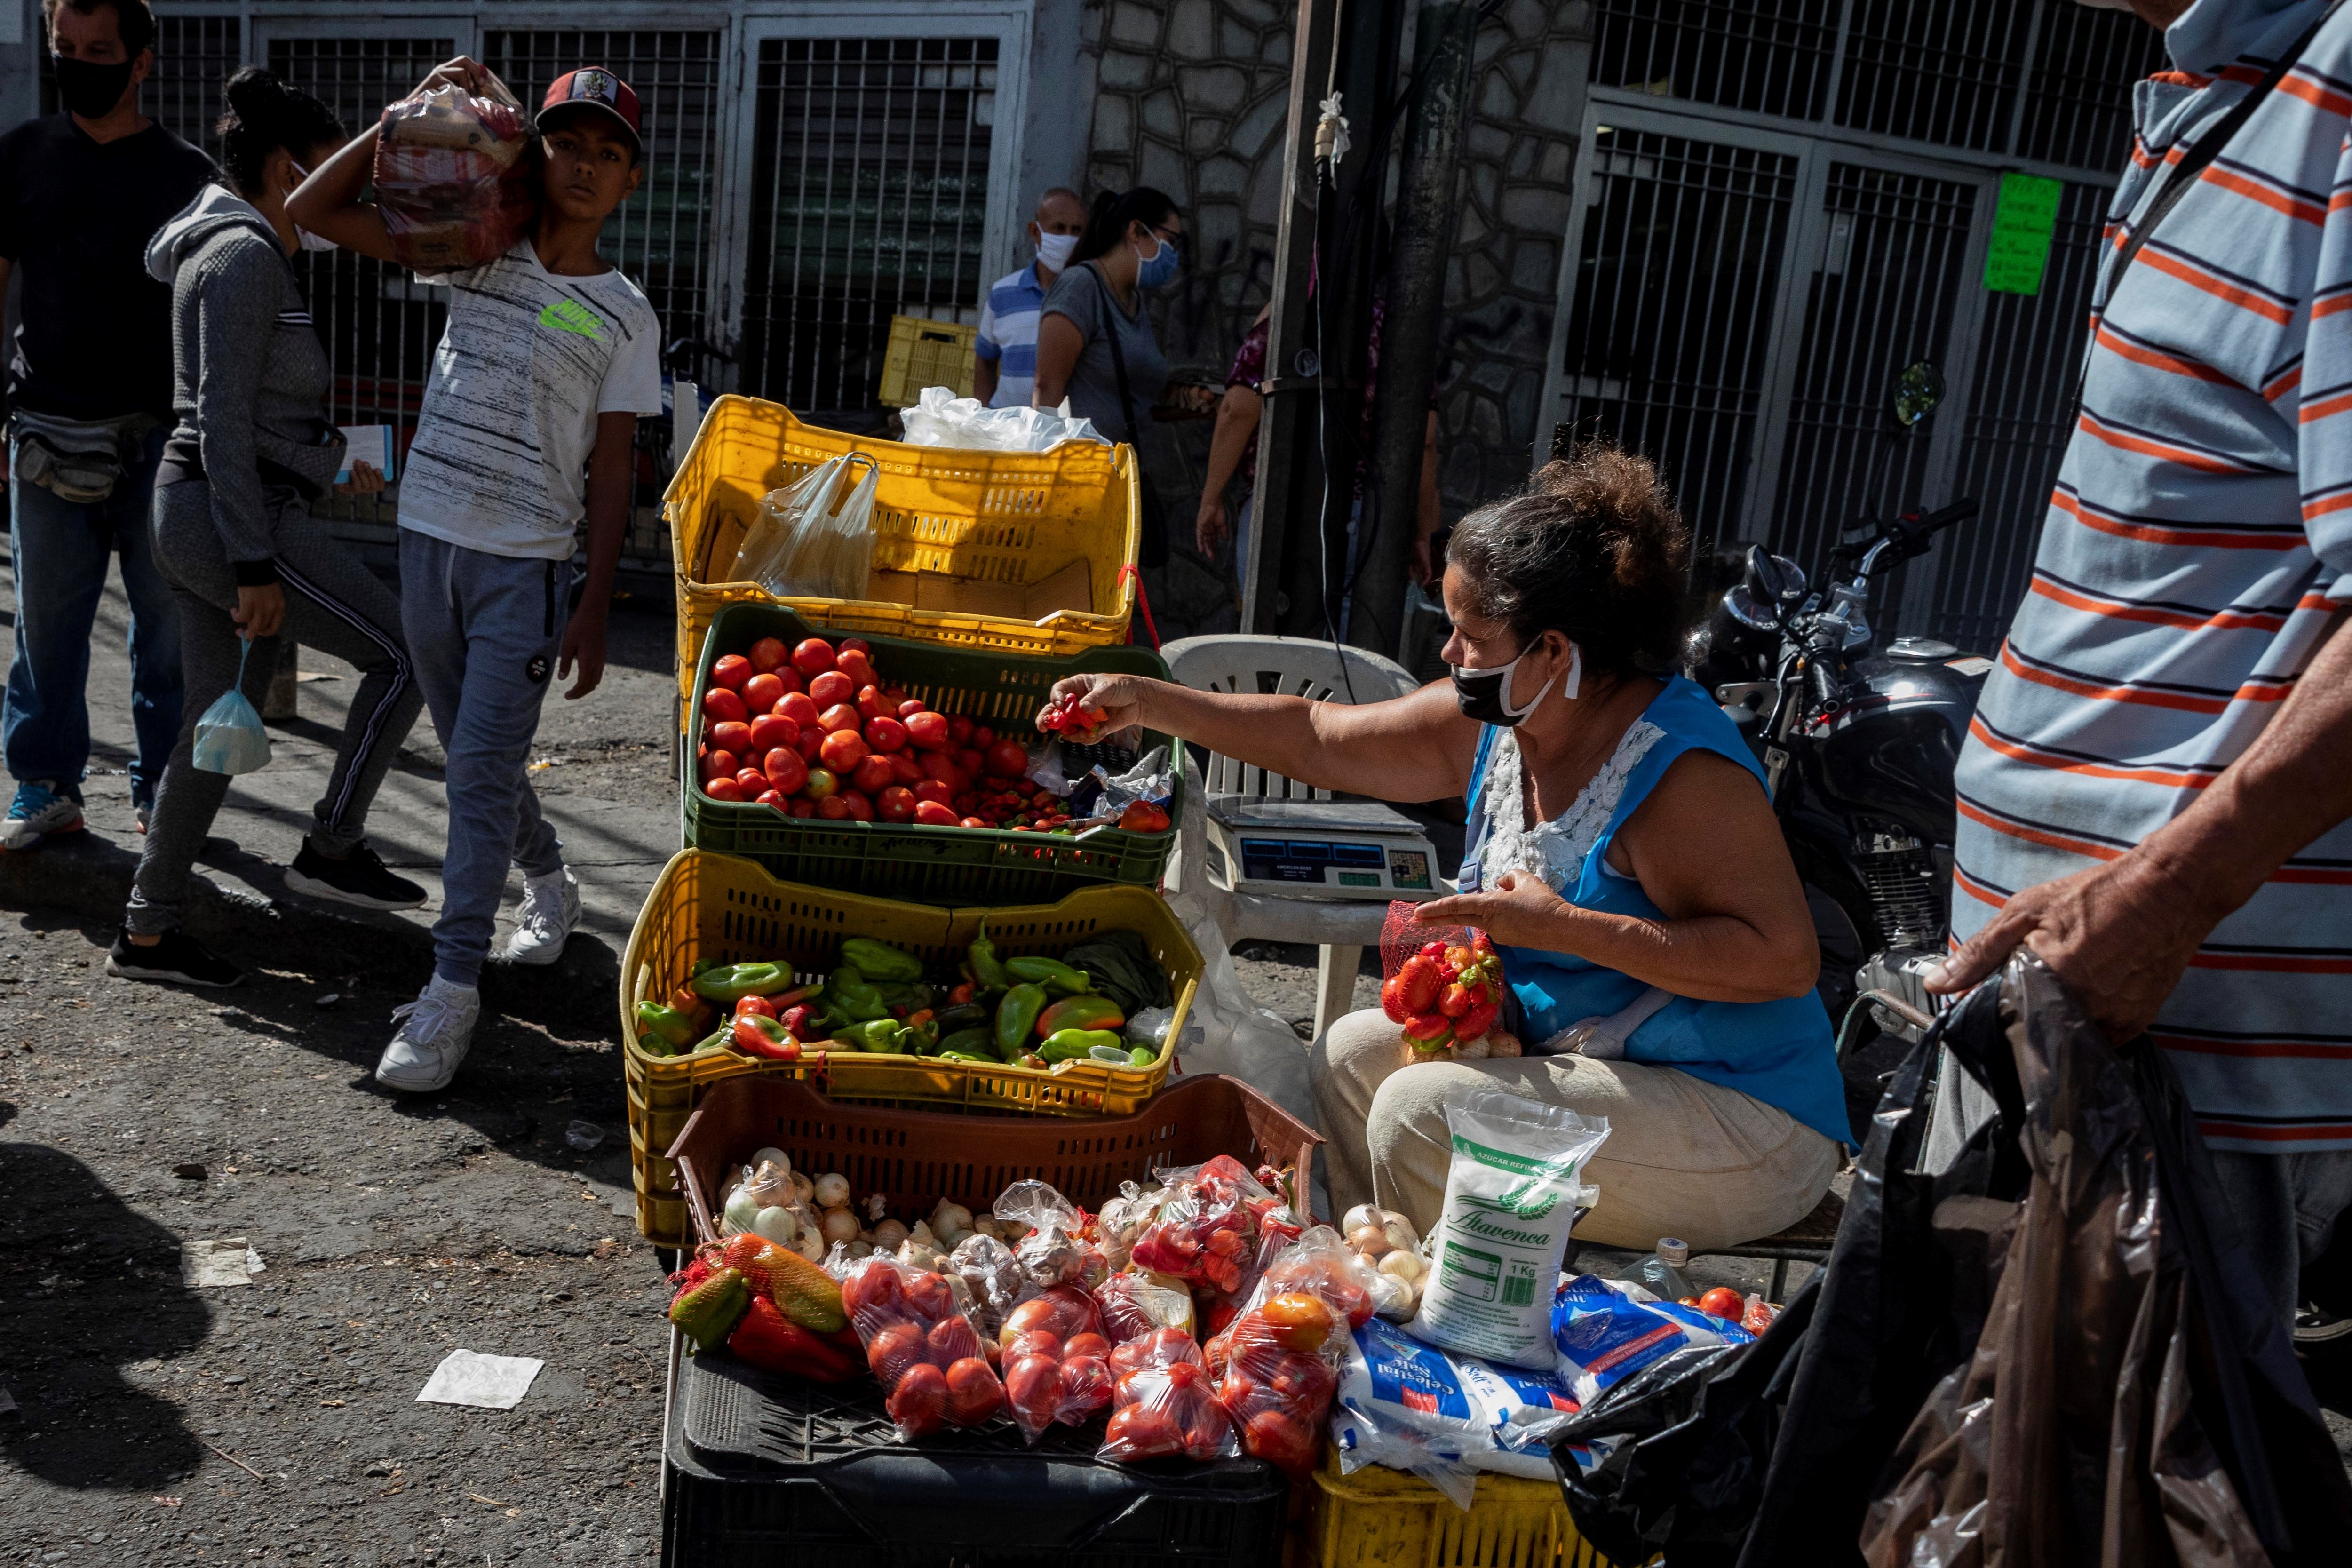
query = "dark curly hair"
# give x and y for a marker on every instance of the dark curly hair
(267, 113)
(1593, 547)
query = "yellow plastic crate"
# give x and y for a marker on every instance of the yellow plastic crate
(993, 524)
(716, 906)
(1380, 1517)
(923, 353)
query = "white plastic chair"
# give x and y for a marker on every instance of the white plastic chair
(1295, 667)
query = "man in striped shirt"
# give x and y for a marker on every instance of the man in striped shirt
(1004, 356)
(2155, 792)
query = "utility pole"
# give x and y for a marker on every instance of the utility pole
(1446, 35)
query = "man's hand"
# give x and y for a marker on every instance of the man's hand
(1209, 528)
(583, 645)
(260, 610)
(1519, 910)
(464, 71)
(2121, 935)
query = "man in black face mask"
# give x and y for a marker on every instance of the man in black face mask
(89, 393)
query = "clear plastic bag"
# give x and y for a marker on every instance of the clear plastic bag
(940, 418)
(1057, 1365)
(814, 537)
(1164, 1406)
(1277, 1367)
(229, 737)
(1207, 1231)
(924, 1349)
(1054, 1252)
(1134, 1308)
(450, 178)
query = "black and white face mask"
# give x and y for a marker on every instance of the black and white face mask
(1485, 694)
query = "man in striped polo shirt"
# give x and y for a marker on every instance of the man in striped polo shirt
(1005, 357)
(2155, 792)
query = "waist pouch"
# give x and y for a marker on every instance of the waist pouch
(79, 461)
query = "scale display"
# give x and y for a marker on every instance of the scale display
(1330, 848)
(1335, 863)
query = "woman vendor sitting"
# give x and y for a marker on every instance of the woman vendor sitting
(1622, 854)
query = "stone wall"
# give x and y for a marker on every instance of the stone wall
(1193, 96)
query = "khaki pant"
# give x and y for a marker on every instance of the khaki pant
(1685, 1157)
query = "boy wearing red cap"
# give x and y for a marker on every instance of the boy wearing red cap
(527, 427)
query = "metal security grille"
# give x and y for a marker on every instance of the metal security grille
(1947, 74)
(2032, 348)
(873, 155)
(193, 56)
(2078, 96)
(1667, 354)
(1882, 298)
(660, 237)
(1769, 55)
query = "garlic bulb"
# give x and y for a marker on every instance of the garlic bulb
(832, 1190)
(950, 1222)
(1400, 1233)
(1402, 1265)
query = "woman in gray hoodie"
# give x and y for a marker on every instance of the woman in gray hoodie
(232, 531)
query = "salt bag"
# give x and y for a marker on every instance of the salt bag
(1605, 1330)
(1510, 1199)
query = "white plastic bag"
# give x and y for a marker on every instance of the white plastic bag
(814, 537)
(940, 418)
(1510, 1199)
(229, 737)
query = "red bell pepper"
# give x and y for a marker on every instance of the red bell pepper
(768, 1339)
(762, 1036)
(760, 1004)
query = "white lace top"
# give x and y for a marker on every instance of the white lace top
(1554, 850)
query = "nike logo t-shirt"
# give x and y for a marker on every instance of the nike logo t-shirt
(528, 361)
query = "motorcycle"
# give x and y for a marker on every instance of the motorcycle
(1858, 747)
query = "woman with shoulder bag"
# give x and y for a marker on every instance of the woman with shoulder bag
(1095, 343)
(251, 452)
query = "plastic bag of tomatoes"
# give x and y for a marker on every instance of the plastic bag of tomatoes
(1164, 1406)
(1206, 1233)
(1277, 1367)
(924, 1350)
(1056, 1361)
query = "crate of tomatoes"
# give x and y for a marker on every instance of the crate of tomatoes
(894, 766)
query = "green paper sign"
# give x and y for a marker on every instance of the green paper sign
(2022, 222)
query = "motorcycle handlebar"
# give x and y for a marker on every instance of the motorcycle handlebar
(1959, 511)
(1824, 681)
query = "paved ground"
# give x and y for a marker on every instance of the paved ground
(145, 1420)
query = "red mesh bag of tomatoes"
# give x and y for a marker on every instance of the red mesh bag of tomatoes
(1206, 1233)
(924, 1350)
(1056, 1361)
(1163, 1404)
(1277, 1367)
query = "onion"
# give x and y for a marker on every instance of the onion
(810, 1246)
(773, 1156)
(776, 1224)
(890, 1234)
(1370, 1240)
(839, 1225)
(1402, 1265)
(1400, 1233)
(803, 1190)
(1359, 1218)
(742, 1210)
(950, 1222)
(860, 1248)
(832, 1190)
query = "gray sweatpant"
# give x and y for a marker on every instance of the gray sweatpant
(333, 604)
(485, 629)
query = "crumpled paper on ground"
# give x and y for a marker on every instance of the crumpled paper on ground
(484, 1382)
(204, 1264)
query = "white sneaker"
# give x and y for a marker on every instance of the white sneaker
(435, 1032)
(551, 909)
(41, 808)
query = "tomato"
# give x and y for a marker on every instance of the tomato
(896, 804)
(896, 1348)
(959, 730)
(927, 730)
(952, 1338)
(1087, 1344)
(854, 663)
(788, 677)
(730, 735)
(811, 739)
(731, 670)
(905, 769)
(841, 716)
(768, 654)
(918, 1403)
(720, 704)
(974, 1393)
(1033, 1341)
(787, 770)
(812, 656)
(1296, 1321)
(802, 807)
(872, 776)
(832, 687)
(931, 814)
(861, 809)
(933, 791)
(798, 708)
(875, 1290)
(752, 781)
(722, 789)
(1141, 1432)
(858, 645)
(819, 783)
(768, 732)
(715, 765)
(971, 762)
(843, 750)
(982, 736)
(1007, 760)
(911, 706)
(870, 704)
(768, 797)
(885, 734)
(928, 1296)
(1282, 1439)
(938, 765)
(1723, 1301)
(763, 692)
(973, 822)
(1034, 1386)
(1086, 1386)
(833, 808)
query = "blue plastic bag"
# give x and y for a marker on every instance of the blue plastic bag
(229, 737)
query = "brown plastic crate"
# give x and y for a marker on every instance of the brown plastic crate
(914, 1158)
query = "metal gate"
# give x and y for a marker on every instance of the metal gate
(1783, 203)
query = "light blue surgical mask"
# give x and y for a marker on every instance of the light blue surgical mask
(1158, 268)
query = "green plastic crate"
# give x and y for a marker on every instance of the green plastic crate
(927, 865)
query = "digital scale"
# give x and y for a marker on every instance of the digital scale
(1331, 848)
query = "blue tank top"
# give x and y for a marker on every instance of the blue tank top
(1778, 1052)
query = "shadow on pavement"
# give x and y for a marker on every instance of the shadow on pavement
(88, 1287)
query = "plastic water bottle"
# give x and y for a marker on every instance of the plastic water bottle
(1660, 1273)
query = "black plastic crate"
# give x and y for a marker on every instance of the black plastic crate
(774, 1472)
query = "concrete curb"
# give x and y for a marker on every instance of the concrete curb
(90, 876)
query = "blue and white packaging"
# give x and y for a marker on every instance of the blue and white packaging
(1398, 1380)
(1605, 1330)
(1522, 1408)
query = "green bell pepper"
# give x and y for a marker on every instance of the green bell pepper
(964, 1016)
(1081, 1013)
(985, 968)
(880, 961)
(671, 1026)
(1016, 1015)
(1068, 1045)
(969, 1041)
(730, 983)
(882, 1037)
(1051, 973)
(973, 1056)
(846, 992)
